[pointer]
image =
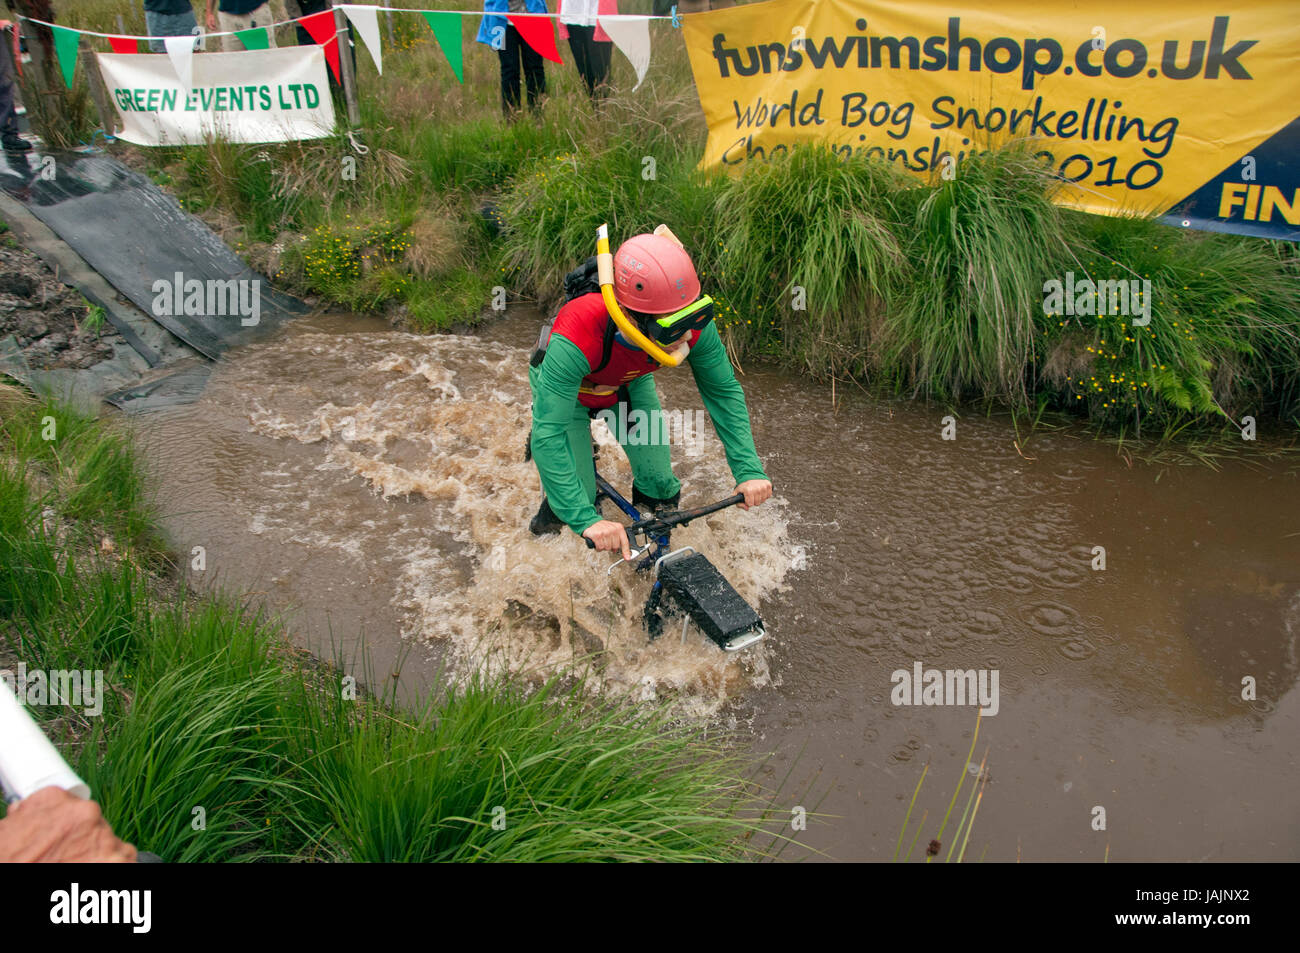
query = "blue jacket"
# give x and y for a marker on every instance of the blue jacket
(501, 6)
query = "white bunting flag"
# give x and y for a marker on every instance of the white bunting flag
(366, 20)
(181, 51)
(631, 35)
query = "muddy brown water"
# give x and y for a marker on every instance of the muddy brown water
(370, 485)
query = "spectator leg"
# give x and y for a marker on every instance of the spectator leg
(509, 57)
(580, 44)
(534, 74)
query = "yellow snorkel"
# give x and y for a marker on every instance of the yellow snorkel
(605, 274)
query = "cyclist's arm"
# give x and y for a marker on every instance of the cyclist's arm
(725, 401)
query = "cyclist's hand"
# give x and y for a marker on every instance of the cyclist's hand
(756, 491)
(609, 536)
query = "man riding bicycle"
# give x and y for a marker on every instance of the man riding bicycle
(602, 351)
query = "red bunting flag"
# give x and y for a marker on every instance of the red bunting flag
(322, 28)
(124, 44)
(539, 33)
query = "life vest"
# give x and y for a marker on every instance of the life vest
(586, 324)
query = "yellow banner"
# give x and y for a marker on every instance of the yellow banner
(1187, 109)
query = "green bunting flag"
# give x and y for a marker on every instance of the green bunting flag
(66, 45)
(254, 39)
(446, 27)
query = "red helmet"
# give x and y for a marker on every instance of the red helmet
(654, 275)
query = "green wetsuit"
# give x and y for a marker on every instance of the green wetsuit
(561, 438)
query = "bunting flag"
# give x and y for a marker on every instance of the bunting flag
(539, 33)
(66, 44)
(254, 39)
(366, 20)
(322, 29)
(181, 51)
(632, 37)
(631, 34)
(446, 30)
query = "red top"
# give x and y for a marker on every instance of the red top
(582, 322)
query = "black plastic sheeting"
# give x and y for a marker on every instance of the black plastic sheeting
(182, 383)
(134, 234)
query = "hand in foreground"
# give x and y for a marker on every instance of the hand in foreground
(609, 536)
(53, 826)
(756, 492)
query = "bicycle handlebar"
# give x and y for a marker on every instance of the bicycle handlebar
(662, 522)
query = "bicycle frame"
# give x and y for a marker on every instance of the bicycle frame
(656, 546)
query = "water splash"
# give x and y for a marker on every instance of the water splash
(444, 418)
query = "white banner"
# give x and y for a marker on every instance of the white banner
(275, 95)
